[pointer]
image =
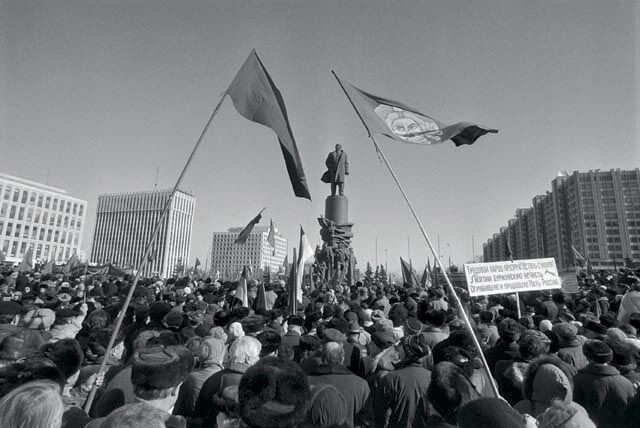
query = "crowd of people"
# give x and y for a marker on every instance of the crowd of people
(188, 354)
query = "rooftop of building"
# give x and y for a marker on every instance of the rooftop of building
(146, 192)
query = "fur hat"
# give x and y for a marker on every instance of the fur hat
(489, 412)
(157, 368)
(174, 319)
(597, 351)
(623, 353)
(253, 324)
(66, 354)
(333, 335)
(39, 319)
(413, 326)
(449, 389)
(509, 329)
(20, 344)
(596, 327)
(436, 317)
(295, 320)
(270, 341)
(398, 314)
(565, 415)
(565, 330)
(159, 310)
(274, 392)
(383, 339)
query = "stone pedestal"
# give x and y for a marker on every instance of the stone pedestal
(336, 208)
(335, 262)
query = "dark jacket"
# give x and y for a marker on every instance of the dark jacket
(337, 167)
(402, 398)
(229, 376)
(355, 390)
(604, 393)
(571, 353)
(502, 351)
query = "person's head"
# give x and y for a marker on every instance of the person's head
(597, 351)
(338, 147)
(156, 374)
(67, 355)
(36, 404)
(21, 343)
(206, 351)
(273, 392)
(489, 412)
(532, 346)
(564, 415)
(565, 332)
(235, 331)
(332, 354)
(27, 370)
(270, 341)
(309, 345)
(327, 408)
(509, 330)
(244, 350)
(413, 349)
(449, 389)
(136, 415)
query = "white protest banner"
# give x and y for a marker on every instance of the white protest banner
(511, 276)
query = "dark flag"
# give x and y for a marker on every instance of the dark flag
(507, 250)
(424, 281)
(407, 125)
(291, 286)
(197, 263)
(261, 298)
(70, 264)
(48, 268)
(26, 265)
(242, 293)
(244, 235)
(271, 238)
(408, 274)
(256, 97)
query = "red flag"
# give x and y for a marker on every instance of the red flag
(406, 124)
(261, 298)
(271, 238)
(256, 97)
(48, 268)
(71, 263)
(408, 274)
(244, 235)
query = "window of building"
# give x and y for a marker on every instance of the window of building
(34, 232)
(32, 198)
(41, 236)
(21, 213)
(40, 198)
(56, 236)
(25, 232)
(18, 230)
(25, 197)
(47, 203)
(55, 204)
(39, 251)
(23, 248)
(14, 248)
(7, 193)
(52, 219)
(59, 220)
(75, 208)
(12, 212)
(49, 233)
(81, 210)
(16, 195)
(3, 209)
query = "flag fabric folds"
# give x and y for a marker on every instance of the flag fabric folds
(70, 264)
(244, 235)
(256, 97)
(197, 263)
(48, 268)
(271, 238)
(26, 265)
(405, 124)
(242, 293)
(408, 274)
(305, 253)
(579, 259)
(261, 298)
(291, 286)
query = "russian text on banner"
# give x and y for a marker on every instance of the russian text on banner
(512, 277)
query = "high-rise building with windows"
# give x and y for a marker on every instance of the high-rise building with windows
(39, 216)
(229, 258)
(597, 212)
(125, 223)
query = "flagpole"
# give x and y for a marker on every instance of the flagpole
(147, 251)
(452, 292)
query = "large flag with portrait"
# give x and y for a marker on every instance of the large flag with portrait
(407, 125)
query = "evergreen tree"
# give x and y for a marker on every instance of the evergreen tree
(368, 275)
(382, 278)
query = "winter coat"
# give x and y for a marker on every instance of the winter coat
(507, 376)
(338, 167)
(502, 351)
(169, 422)
(604, 393)
(434, 335)
(67, 331)
(229, 376)
(547, 378)
(355, 390)
(629, 304)
(571, 353)
(401, 401)
(190, 389)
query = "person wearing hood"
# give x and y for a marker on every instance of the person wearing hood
(562, 415)
(547, 379)
(209, 354)
(600, 387)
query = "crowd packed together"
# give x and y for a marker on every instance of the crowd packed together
(188, 354)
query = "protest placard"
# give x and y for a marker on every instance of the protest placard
(511, 276)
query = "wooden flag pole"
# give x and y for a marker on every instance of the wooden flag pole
(452, 292)
(147, 252)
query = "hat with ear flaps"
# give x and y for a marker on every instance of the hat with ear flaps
(157, 368)
(274, 392)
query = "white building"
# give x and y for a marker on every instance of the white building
(42, 217)
(230, 258)
(124, 225)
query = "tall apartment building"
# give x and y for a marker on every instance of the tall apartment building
(124, 225)
(230, 258)
(39, 216)
(598, 212)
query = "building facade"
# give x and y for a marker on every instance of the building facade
(41, 217)
(597, 212)
(229, 258)
(125, 223)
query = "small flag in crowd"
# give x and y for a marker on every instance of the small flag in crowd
(70, 264)
(48, 268)
(407, 125)
(579, 259)
(241, 292)
(424, 281)
(197, 263)
(244, 235)
(271, 238)
(306, 252)
(26, 265)
(256, 97)
(261, 297)
(408, 274)
(291, 285)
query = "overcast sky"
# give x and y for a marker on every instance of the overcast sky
(100, 93)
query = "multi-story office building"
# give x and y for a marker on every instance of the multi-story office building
(597, 212)
(230, 258)
(41, 217)
(125, 223)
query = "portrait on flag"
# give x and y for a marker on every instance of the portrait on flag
(409, 126)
